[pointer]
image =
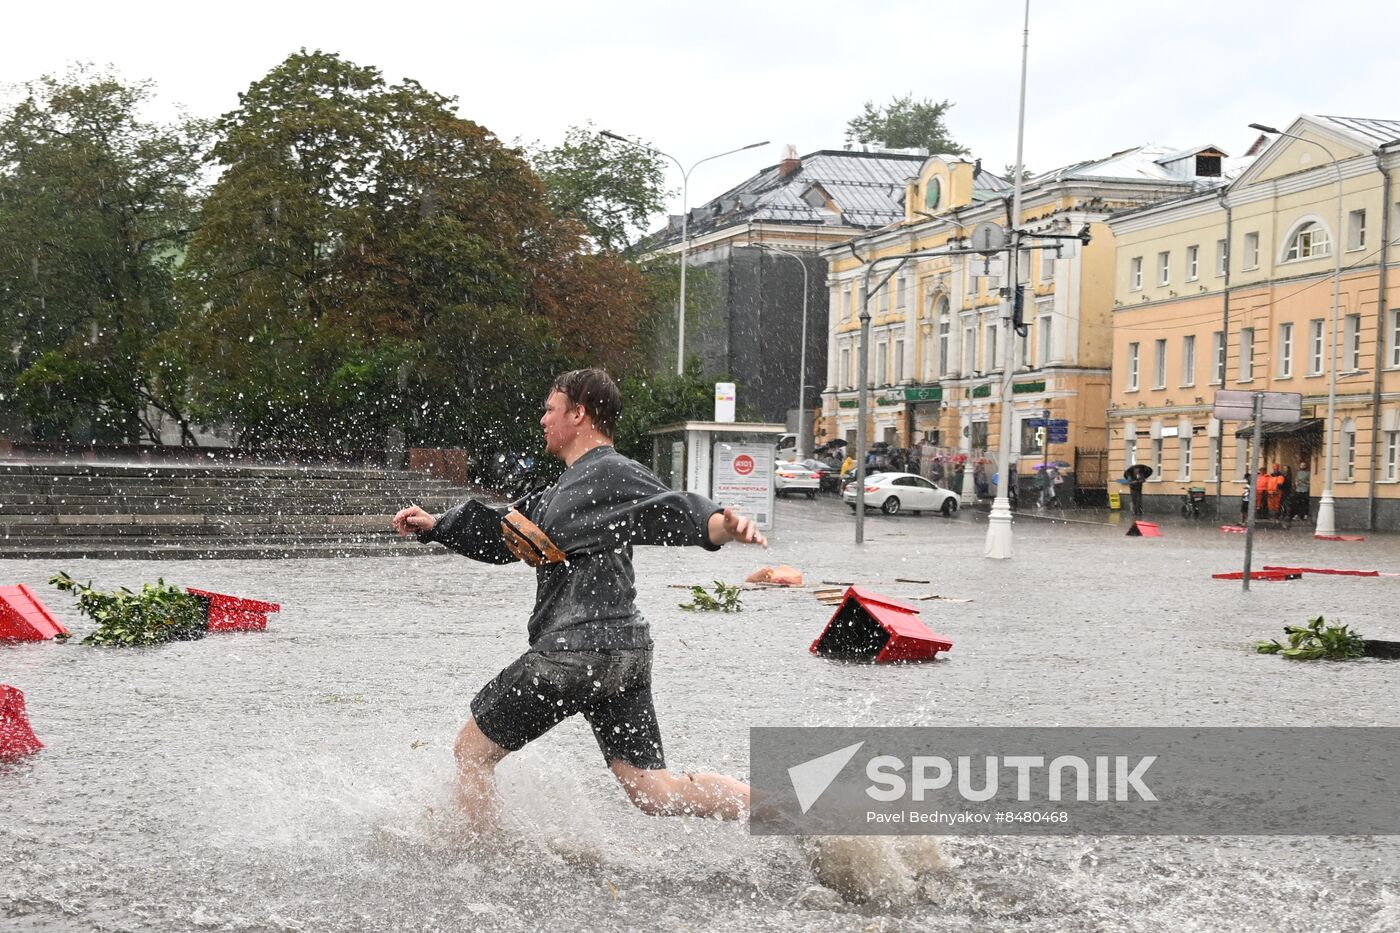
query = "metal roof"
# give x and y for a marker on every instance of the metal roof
(1375, 132)
(866, 187)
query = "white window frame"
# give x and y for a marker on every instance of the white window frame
(898, 360)
(901, 293)
(1218, 360)
(1222, 257)
(945, 342)
(1395, 337)
(1188, 360)
(882, 363)
(1129, 452)
(990, 349)
(1135, 274)
(844, 376)
(1133, 362)
(1356, 230)
(1351, 330)
(1183, 472)
(1348, 452)
(1317, 346)
(969, 348)
(1193, 263)
(1391, 468)
(1212, 459)
(1285, 349)
(1310, 240)
(1156, 463)
(1046, 325)
(1164, 268)
(1047, 264)
(1246, 373)
(1251, 251)
(1159, 363)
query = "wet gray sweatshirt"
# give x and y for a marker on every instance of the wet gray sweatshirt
(602, 505)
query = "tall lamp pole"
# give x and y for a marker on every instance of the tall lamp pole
(685, 220)
(1326, 508)
(802, 356)
(999, 537)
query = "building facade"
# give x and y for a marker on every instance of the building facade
(939, 349)
(744, 315)
(1233, 289)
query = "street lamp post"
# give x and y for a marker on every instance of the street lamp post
(999, 537)
(802, 356)
(1327, 507)
(685, 220)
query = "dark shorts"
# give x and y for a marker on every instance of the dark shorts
(540, 689)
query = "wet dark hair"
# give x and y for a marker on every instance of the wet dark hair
(596, 392)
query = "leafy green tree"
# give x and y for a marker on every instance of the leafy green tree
(96, 205)
(612, 188)
(1009, 173)
(651, 401)
(904, 123)
(371, 260)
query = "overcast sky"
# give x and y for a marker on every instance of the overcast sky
(696, 79)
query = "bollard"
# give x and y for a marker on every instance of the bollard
(16, 737)
(870, 627)
(24, 618)
(233, 614)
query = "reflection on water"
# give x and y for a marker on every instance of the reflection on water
(297, 779)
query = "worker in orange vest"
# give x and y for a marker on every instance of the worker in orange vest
(1262, 484)
(1276, 491)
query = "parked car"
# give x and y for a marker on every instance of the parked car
(893, 493)
(790, 476)
(828, 474)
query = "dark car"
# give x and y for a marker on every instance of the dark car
(828, 473)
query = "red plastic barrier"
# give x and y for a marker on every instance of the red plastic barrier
(1144, 530)
(1259, 575)
(1342, 573)
(16, 737)
(869, 627)
(1339, 537)
(232, 613)
(1234, 529)
(24, 618)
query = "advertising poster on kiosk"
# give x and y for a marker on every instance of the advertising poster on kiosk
(744, 480)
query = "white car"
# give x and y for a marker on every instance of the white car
(789, 476)
(893, 493)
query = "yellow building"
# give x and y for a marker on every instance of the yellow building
(938, 348)
(1234, 289)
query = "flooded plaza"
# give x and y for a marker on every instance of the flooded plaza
(298, 779)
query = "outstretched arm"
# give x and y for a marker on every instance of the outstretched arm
(729, 525)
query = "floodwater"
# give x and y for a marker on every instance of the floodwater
(297, 779)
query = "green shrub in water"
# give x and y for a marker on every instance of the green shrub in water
(726, 599)
(125, 619)
(1314, 642)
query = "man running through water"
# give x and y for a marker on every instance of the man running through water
(590, 651)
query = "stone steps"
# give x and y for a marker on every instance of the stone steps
(69, 511)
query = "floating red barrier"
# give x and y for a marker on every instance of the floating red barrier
(1340, 573)
(232, 613)
(24, 618)
(1339, 537)
(1259, 575)
(869, 627)
(16, 737)
(1234, 529)
(1144, 530)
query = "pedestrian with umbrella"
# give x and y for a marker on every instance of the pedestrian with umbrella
(1136, 475)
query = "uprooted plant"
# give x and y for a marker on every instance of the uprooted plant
(726, 599)
(1315, 641)
(126, 619)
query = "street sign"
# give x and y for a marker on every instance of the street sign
(1281, 407)
(1058, 437)
(1059, 424)
(988, 237)
(986, 268)
(1035, 422)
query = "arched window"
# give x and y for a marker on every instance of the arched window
(1309, 241)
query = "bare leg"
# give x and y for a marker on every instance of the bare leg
(477, 757)
(664, 793)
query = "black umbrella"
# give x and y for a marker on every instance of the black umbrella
(1137, 472)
